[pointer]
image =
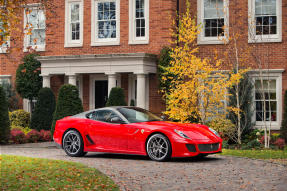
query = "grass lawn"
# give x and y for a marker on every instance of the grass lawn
(273, 155)
(24, 173)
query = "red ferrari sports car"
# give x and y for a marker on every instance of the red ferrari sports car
(132, 130)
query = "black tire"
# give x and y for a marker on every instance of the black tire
(73, 144)
(158, 147)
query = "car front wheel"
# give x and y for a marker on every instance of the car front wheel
(73, 144)
(158, 147)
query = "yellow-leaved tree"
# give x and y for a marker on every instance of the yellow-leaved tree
(198, 87)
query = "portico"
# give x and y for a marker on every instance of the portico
(105, 72)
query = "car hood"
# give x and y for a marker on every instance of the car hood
(194, 131)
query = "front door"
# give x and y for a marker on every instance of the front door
(101, 93)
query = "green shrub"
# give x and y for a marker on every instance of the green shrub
(42, 116)
(20, 118)
(4, 118)
(68, 104)
(254, 144)
(224, 127)
(117, 97)
(283, 131)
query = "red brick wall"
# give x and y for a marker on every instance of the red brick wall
(159, 35)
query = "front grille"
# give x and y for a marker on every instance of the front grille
(191, 148)
(208, 147)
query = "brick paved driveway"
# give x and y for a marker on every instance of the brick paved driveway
(139, 173)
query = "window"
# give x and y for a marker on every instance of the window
(212, 14)
(102, 115)
(35, 28)
(74, 23)
(266, 94)
(5, 79)
(105, 22)
(268, 98)
(5, 43)
(265, 24)
(139, 22)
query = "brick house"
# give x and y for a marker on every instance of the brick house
(100, 44)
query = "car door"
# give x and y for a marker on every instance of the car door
(108, 135)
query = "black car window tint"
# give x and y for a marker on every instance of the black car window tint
(105, 115)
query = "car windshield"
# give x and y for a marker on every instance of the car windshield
(135, 115)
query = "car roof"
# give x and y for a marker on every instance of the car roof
(83, 114)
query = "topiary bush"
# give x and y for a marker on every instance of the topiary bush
(42, 115)
(20, 118)
(117, 97)
(25, 130)
(283, 131)
(68, 104)
(4, 118)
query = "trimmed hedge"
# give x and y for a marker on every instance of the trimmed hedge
(42, 116)
(4, 118)
(68, 104)
(20, 118)
(284, 122)
(117, 97)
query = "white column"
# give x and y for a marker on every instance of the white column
(72, 79)
(141, 90)
(46, 81)
(112, 82)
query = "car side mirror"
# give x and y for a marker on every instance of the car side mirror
(117, 120)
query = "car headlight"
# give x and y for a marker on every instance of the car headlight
(180, 133)
(213, 131)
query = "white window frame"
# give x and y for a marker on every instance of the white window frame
(38, 48)
(252, 37)
(7, 77)
(95, 41)
(68, 33)
(4, 48)
(272, 74)
(132, 24)
(201, 39)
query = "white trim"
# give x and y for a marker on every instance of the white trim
(95, 41)
(201, 39)
(272, 75)
(68, 40)
(38, 48)
(132, 27)
(7, 77)
(93, 78)
(252, 37)
(4, 48)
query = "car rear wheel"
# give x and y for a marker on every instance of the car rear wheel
(73, 144)
(158, 147)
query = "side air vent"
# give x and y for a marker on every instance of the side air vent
(89, 139)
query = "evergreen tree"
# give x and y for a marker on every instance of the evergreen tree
(284, 122)
(28, 79)
(42, 116)
(68, 104)
(245, 102)
(117, 97)
(4, 118)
